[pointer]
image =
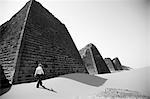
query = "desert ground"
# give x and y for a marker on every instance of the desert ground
(133, 84)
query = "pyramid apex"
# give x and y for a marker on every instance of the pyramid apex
(31, 1)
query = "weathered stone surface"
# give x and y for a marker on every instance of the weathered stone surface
(10, 33)
(117, 64)
(34, 34)
(93, 60)
(109, 64)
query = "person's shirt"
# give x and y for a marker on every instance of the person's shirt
(39, 71)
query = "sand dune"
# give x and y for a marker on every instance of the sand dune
(137, 80)
(84, 86)
(65, 87)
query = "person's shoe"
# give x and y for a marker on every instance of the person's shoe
(37, 86)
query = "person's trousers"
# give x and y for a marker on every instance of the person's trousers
(39, 77)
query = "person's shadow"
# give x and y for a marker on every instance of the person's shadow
(52, 90)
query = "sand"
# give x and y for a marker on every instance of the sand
(121, 85)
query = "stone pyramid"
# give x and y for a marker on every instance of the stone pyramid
(34, 34)
(109, 64)
(117, 64)
(93, 60)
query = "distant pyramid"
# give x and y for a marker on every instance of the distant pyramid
(117, 64)
(126, 68)
(93, 60)
(34, 34)
(109, 64)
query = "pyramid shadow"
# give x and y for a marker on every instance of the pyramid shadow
(86, 79)
(4, 83)
(4, 90)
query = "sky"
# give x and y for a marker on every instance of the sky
(118, 28)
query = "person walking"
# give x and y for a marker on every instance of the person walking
(39, 74)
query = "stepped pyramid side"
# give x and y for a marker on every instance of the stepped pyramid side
(10, 40)
(45, 39)
(93, 60)
(117, 64)
(109, 64)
